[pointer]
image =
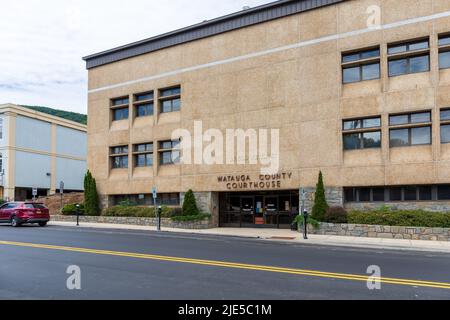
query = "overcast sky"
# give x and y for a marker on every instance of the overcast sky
(42, 41)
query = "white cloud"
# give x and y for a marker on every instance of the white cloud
(42, 41)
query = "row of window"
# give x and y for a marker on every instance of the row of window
(405, 130)
(143, 154)
(398, 193)
(403, 58)
(167, 199)
(143, 104)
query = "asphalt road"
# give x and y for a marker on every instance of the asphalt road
(118, 264)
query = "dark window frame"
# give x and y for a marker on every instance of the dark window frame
(360, 63)
(444, 123)
(137, 103)
(410, 126)
(408, 54)
(120, 155)
(361, 131)
(148, 152)
(430, 195)
(443, 48)
(175, 94)
(162, 150)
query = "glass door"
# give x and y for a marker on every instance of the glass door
(247, 210)
(271, 210)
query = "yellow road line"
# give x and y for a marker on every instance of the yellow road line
(312, 273)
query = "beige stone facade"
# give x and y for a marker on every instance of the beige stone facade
(284, 74)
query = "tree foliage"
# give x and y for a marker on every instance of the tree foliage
(73, 116)
(320, 202)
(190, 204)
(90, 195)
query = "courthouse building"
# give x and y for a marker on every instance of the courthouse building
(359, 89)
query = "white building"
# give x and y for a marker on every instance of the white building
(38, 150)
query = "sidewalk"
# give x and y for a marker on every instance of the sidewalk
(289, 236)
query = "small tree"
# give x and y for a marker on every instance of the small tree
(320, 202)
(190, 204)
(90, 195)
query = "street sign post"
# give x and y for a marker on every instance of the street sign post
(157, 210)
(61, 192)
(35, 193)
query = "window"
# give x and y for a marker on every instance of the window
(445, 126)
(1, 128)
(397, 193)
(410, 129)
(443, 192)
(406, 58)
(170, 100)
(143, 155)
(119, 157)
(120, 108)
(169, 152)
(362, 133)
(444, 52)
(143, 104)
(169, 199)
(360, 66)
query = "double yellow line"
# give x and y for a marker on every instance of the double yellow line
(311, 273)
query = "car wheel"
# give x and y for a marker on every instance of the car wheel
(15, 222)
(42, 224)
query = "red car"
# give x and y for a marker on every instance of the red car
(18, 213)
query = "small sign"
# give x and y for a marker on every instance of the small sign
(155, 193)
(259, 221)
(61, 187)
(35, 192)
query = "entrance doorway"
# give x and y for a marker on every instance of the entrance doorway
(272, 209)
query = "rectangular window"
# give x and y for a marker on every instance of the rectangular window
(169, 152)
(444, 52)
(120, 114)
(119, 157)
(410, 193)
(425, 193)
(444, 192)
(120, 102)
(417, 132)
(361, 66)
(445, 126)
(169, 199)
(395, 194)
(362, 133)
(407, 58)
(378, 194)
(170, 100)
(143, 155)
(143, 104)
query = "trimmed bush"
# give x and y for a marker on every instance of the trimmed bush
(336, 215)
(71, 209)
(320, 202)
(190, 205)
(90, 195)
(136, 212)
(198, 217)
(403, 218)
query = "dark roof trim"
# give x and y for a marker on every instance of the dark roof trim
(241, 19)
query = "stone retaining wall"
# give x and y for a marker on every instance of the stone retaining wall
(165, 223)
(386, 232)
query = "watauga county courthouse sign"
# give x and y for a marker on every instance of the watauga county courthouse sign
(261, 182)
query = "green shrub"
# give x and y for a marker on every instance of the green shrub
(320, 202)
(71, 209)
(336, 215)
(404, 218)
(136, 212)
(198, 217)
(91, 195)
(190, 205)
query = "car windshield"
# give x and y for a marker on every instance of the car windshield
(34, 206)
